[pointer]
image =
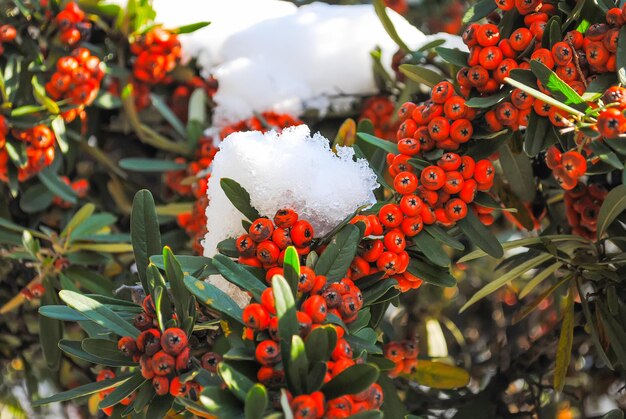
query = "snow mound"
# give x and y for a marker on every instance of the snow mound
(293, 170)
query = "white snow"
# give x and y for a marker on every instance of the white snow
(293, 170)
(271, 55)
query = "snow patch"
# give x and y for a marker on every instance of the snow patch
(293, 170)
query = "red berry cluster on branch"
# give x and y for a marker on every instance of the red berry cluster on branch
(158, 51)
(77, 78)
(72, 24)
(39, 149)
(582, 205)
(379, 110)
(566, 167)
(317, 298)
(266, 241)
(403, 354)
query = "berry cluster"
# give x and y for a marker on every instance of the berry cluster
(266, 241)
(566, 167)
(443, 122)
(80, 186)
(179, 99)
(158, 51)
(317, 299)
(7, 34)
(39, 148)
(162, 358)
(72, 24)
(77, 78)
(403, 354)
(582, 205)
(379, 110)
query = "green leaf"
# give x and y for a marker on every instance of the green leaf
(122, 391)
(90, 280)
(159, 406)
(614, 204)
(51, 180)
(488, 101)
(606, 155)
(190, 28)
(381, 12)
(105, 349)
(506, 278)
(438, 375)
(614, 414)
(236, 382)
(518, 170)
(36, 198)
(50, 331)
(620, 55)
(530, 307)
(145, 394)
(453, 56)
(479, 10)
(175, 277)
(165, 111)
(238, 275)
(213, 297)
(566, 340)
(421, 75)
(442, 236)
(539, 278)
(147, 165)
(291, 268)
(82, 215)
(189, 264)
(75, 348)
(256, 402)
(478, 234)
(92, 225)
(84, 390)
(536, 138)
(614, 332)
(352, 380)
(220, 403)
(318, 343)
(297, 366)
(58, 126)
(144, 232)
(39, 92)
(388, 146)
(514, 81)
(431, 249)
(239, 197)
(339, 254)
(431, 274)
(98, 313)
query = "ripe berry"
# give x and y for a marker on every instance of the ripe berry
(256, 317)
(127, 345)
(245, 246)
(315, 307)
(390, 215)
(173, 340)
(261, 229)
(210, 361)
(267, 352)
(302, 233)
(161, 385)
(149, 341)
(405, 183)
(285, 218)
(163, 363)
(433, 177)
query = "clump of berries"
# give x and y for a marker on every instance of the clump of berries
(33, 292)
(317, 298)
(582, 205)
(566, 167)
(379, 110)
(265, 243)
(403, 354)
(72, 24)
(157, 52)
(38, 143)
(77, 78)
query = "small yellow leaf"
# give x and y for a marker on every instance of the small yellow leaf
(346, 135)
(103, 247)
(438, 375)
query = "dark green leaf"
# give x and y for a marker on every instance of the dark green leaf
(478, 234)
(421, 75)
(621, 55)
(84, 390)
(350, 381)
(256, 402)
(51, 180)
(75, 348)
(213, 297)
(175, 275)
(431, 274)
(50, 331)
(144, 232)
(388, 146)
(236, 382)
(339, 254)
(518, 170)
(137, 164)
(614, 204)
(239, 197)
(488, 101)
(442, 236)
(189, 264)
(479, 10)
(36, 198)
(238, 275)
(122, 391)
(453, 56)
(381, 12)
(90, 280)
(159, 406)
(190, 28)
(606, 155)
(431, 249)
